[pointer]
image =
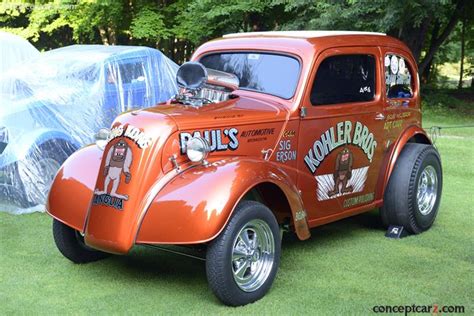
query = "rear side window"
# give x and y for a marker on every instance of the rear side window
(398, 81)
(344, 79)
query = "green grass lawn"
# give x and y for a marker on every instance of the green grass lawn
(345, 268)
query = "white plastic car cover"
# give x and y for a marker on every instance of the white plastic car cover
(55, 104)
(14, 50)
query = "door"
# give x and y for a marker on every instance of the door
(341, 143)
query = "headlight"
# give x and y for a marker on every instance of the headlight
(102, 137)
(197, 149)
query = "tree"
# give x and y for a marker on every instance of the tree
(463, 42)
(437, 41)
(177, 26)
(206, 19)
(414, 22)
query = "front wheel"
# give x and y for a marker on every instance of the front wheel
(241, 263)
(71, 244)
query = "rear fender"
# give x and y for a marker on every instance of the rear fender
(195, 206)
(411, 134)
(73, 187)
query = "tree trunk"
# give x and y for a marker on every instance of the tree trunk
(111, 33)
(440, 40)
(103, 35)
(414, 37)
(428, 74)
(463, 31)
(425, 76)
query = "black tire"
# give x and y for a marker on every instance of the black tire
(71, 244)
(400, 205)
(35, 181)
(219, 265)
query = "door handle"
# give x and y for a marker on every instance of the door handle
(379, 117)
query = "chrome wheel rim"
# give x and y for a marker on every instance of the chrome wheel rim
(427, 190)
(253, 254)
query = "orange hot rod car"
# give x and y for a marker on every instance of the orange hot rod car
(269, 132)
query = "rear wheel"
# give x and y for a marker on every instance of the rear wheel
(413, 192)
(71, 244)
(243, 260)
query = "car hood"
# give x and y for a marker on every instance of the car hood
(238, 111)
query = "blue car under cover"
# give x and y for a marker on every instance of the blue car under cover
(55, 104)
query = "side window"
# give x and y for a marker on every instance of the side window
(398, 81)
(131, 71)
(125, 73)
(344, 78)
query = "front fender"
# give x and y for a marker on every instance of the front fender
(195, 206)
(73, 187)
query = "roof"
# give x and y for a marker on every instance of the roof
(300, 34)
(13, 50)
(304, 44)
(94, 53)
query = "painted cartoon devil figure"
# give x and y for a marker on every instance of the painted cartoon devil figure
(118, 161)
(342, 173)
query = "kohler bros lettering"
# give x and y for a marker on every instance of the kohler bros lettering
(341, 134)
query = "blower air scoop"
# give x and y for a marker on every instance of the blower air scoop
(200, 85)
(191, 76)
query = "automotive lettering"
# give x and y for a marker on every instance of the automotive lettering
(258, 132)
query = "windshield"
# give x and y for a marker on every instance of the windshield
(264, 72)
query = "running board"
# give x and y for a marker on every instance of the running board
(179, 250)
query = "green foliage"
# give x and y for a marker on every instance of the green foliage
(205, 19)
(364, 15)
(149, 24)
(176, 26)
